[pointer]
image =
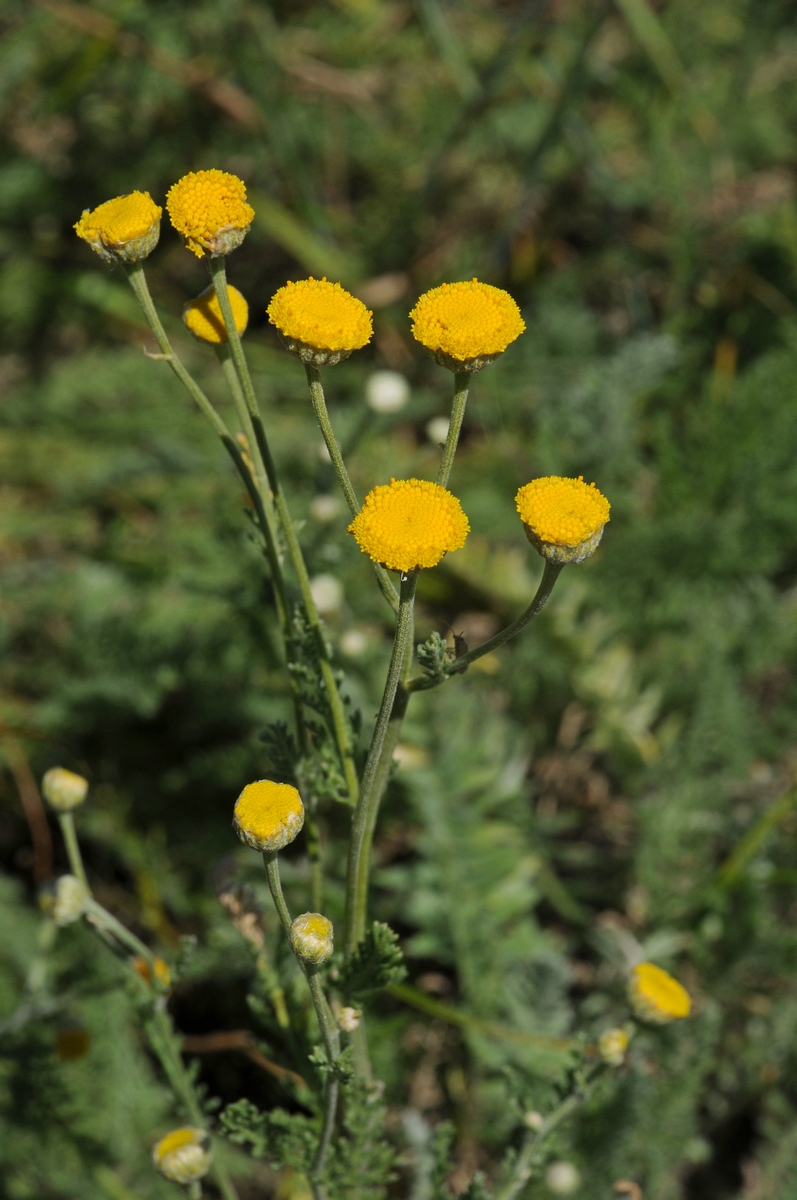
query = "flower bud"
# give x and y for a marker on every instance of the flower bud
(184, 1155)
(70, 900)
(655, 996)
(268, 815)
(386, 391)
(311, 938)
(612, 1046)
(562, 1178)
(349, 1019)
(64, 790)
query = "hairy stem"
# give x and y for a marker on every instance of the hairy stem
(319, 403)
(340, 727)
(460, 399)
(364, 821)
(549, 578)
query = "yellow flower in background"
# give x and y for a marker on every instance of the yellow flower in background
(409, 523)
(466, 326)
(655, 996)
(564, 518)
(202, 316)
(312, 938)
(319, 321)
(209, 210)
(268, 815)
(159, 968)
(184, 1155)
(612, 1046)
(64, 790)
(125, 229)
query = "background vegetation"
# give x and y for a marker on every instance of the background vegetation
(626, 771)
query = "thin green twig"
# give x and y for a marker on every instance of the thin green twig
(67, 822)
(460, 399)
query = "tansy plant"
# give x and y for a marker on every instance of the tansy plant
(404, 526)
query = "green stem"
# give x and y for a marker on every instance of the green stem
(337, 712)
(67, 822)
(549, 578)
(461, 386)
(322, 416)
(364, 821)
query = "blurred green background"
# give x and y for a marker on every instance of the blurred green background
(626, 770)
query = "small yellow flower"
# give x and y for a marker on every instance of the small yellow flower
(466, 326)
(612, 1046)
(564, 518)
(409, 523)
(160, 969)
(209, 210)
(64, 790)
(202, 316)
(320, 322)
(184, 1155)
(122, 230)
(312, 938)
(655, 996)
(268, 816)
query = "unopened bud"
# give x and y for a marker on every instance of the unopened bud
(184, 1155)
(562, 1178)
(534, 1120)
(311, 938)
(70, 900)
(64, 790)
(612, 1046)
(349, 1019)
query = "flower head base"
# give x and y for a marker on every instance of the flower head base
(311, 938)
(655, 996)
(184, 1155)
(465, 326)
(409, 523)
(203, 317)
(71, 896)
(64, 790)
(268, 816)
(612, 1046)
(320, 322)
(123, 230)
(209, 210)
(564, 518)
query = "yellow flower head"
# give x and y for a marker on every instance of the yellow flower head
(311, 938)
(268, 816)
(564, 518)
(466, 325)
(64, 790)
(184, 1155)
(203, 318)
(655, 996)
(159, 968)
(122, 230)
(209, 210)
(319, 321)
(409, 523)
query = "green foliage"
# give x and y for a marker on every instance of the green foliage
(375, 964)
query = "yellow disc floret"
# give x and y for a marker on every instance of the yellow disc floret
(202, 317)
(409, 523)
(312, 938)
(466, 325)
(564, 518)
(320, 321)
(655, 996)
(184, 1155)
(268, 815)
(209, 210)
(125, 229)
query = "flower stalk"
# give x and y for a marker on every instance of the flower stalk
(458, 403)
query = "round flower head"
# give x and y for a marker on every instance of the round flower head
(122, 230)
(564, 518)
(311, 938)
(184, 1155)
(465, 326)
(64, 790)
(655, 996)
(320, 322)
(209, 210)
(203, 317)
(409, 523)
(612, 1046)
(268, 816)
(70, 900)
